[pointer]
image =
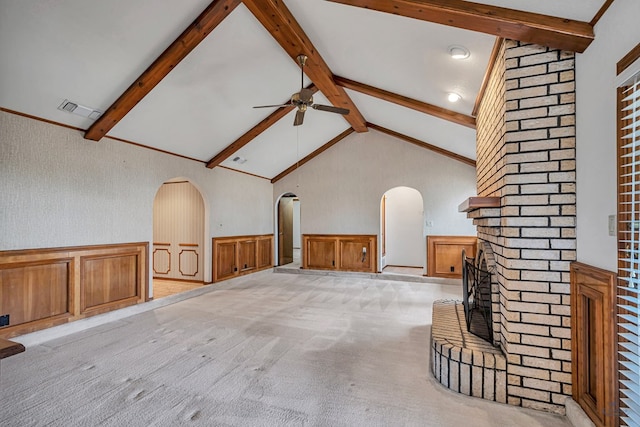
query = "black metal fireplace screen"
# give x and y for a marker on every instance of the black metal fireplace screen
(476, 285)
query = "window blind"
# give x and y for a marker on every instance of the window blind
(629, 251)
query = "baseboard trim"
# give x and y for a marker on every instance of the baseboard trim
(576, 416)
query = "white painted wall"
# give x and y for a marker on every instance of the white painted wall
(296, 224)
(616, 34)
(340, 190)
(58, 189)
(405, 241)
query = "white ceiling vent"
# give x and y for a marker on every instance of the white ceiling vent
(80, 110)
(239, 159)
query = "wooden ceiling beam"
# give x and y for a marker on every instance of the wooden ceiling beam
(551, 31)
(423, 107)
(313, 155)
(253, 132)
(425, 145)
(281, 24)
(204, 24)
(493, 59)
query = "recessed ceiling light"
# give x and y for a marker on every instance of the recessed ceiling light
(453, 97)
(459, 52)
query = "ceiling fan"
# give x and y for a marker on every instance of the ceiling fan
(304, 99)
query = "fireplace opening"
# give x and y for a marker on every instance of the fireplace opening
(476, 287)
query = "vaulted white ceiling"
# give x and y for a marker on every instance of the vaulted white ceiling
(91, 51)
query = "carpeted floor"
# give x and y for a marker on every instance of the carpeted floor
(267, 349)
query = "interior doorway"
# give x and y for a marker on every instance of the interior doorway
(288, 229)
(178, 252)
(403, 248)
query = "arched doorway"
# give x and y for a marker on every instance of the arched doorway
(401, 231)
(288, 229)
(178, 253)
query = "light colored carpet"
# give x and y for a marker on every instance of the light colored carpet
(267, 349)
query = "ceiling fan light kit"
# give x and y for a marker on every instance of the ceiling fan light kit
(304, 99)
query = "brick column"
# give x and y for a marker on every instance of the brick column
(526, 156)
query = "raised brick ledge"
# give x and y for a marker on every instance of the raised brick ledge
(463, 362)
(473, 203)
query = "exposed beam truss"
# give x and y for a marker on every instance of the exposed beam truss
(204, 24)
(284, 28)
(252, 133)
(423, 107)
(425, 145)
(551, 31)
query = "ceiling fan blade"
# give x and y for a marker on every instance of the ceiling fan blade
(299, 118)
(305, 95)
(271, 106)
(330, 108)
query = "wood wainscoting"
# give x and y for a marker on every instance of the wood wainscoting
(343, 252)
(444, 255)
(593, 343)
(238, 255)
(40, 288)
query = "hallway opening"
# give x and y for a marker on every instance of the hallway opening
(401, 232)
(178, 252)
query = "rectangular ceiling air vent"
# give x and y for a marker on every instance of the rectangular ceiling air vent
(239, 159)
(80, 110)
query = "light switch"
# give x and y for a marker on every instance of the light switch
(612, 225)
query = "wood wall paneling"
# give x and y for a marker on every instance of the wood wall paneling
(40, 288)
(238, 255)
(248, 255)
(34, 291)
(225, 260)
(593, 343)
(339, 252)
(444, 255)
(265, 253)
(109, 280)
(355, 255)
(320, 253)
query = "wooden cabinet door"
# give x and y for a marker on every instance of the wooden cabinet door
(593, 347)
(320, 253)
(444, 255)
(264, 253)
(225, 255)
(247, 255)
(356, 255)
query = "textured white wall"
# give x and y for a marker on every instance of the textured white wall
(58, 189)
(616, 34)
(296, 224)
(405, 223)
(340, 190)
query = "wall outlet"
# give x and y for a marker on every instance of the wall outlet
(4, 320)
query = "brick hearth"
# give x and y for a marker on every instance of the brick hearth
(463, 362)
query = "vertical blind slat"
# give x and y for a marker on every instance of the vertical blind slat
(629, 253)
